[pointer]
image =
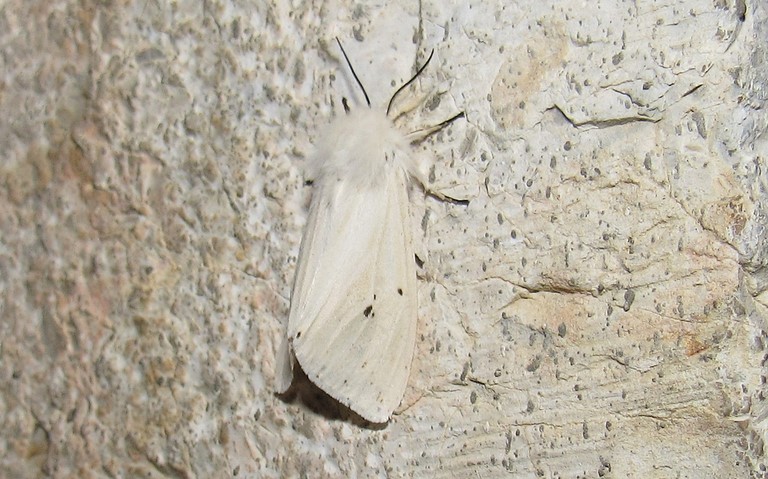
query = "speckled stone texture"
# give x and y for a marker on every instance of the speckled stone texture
(597, 310)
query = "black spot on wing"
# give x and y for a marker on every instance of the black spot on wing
(368, 312)
(400, 291)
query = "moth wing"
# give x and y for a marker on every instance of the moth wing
(352, 323)
(283, 367)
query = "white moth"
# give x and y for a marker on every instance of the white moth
(352, 322)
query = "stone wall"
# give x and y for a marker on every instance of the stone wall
(598, 309)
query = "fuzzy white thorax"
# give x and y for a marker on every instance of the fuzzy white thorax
(359, 148)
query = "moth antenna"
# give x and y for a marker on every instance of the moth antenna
(391, 100)
(368, 101)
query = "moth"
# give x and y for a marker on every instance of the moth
(353, 314)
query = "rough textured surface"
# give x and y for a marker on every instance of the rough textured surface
(598, 310)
